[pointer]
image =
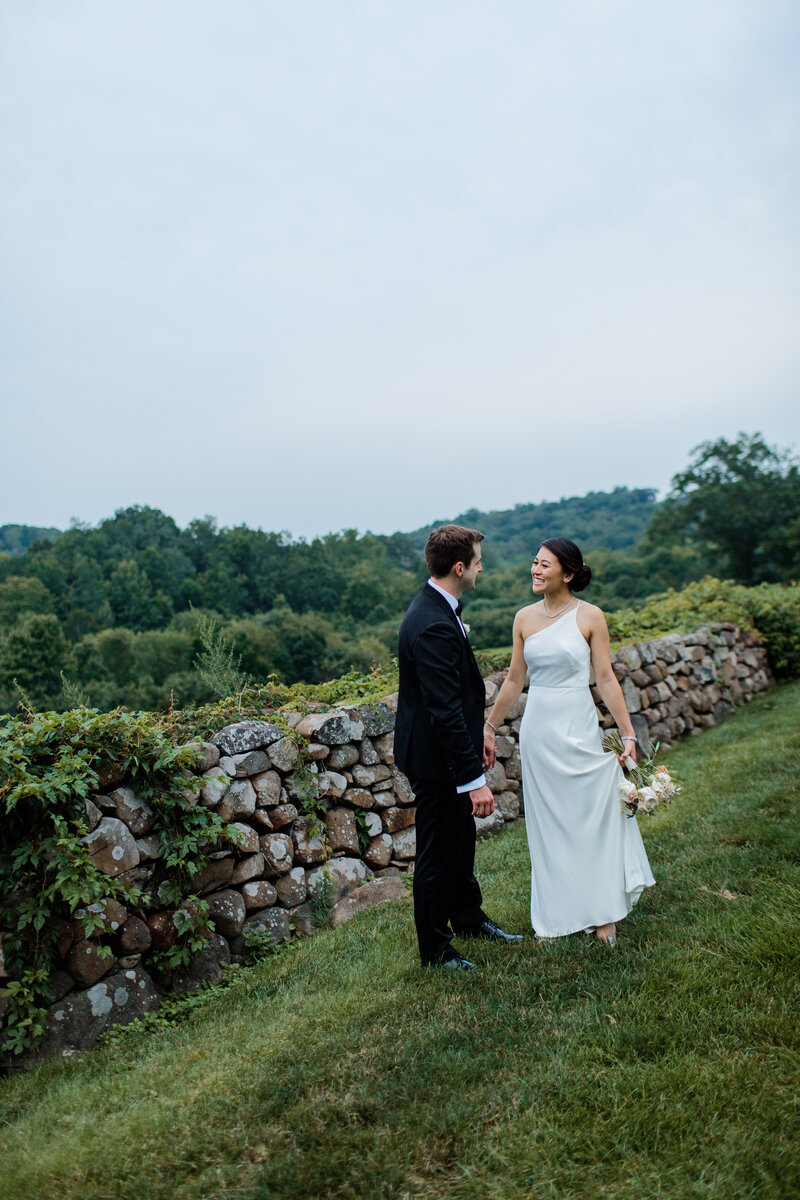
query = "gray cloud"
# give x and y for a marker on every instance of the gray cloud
(315, 266)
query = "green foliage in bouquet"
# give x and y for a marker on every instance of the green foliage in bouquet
(49, 764)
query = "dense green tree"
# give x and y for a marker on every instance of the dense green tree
(738, 501)
(134, 602)
(242, 572)
(106, 657)
(118, 666)
(19, 595)
(404, 549)
(32, 658)
(48, 563)
(284, 643)
(620, 578)
(138, 528)
(88, 596)
(199, 539)
(316, 573)
(375, 589)
(365, 595)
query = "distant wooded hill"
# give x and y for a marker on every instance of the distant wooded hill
(15, 539)
(137, 611)
(118, 610)
(596, 521)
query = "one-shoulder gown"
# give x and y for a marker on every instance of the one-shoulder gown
(588, 862)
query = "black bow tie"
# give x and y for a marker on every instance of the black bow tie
(459, 607)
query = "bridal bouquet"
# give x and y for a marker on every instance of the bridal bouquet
(647, 785)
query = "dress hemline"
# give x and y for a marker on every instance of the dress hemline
(591, 928)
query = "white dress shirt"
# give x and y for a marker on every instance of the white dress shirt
(451, 600)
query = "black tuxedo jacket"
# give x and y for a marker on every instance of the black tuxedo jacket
(438, 733)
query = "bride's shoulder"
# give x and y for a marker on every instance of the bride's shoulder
(591, 612)
(527, 610)
(523, 617)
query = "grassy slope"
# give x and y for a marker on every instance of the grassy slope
(338, 1069)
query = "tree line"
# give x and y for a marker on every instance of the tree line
(129, 612)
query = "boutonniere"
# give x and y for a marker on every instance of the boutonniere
(466, 627)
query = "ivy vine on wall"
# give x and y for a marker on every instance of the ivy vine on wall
(50, 764)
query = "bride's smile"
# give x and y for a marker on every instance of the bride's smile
(547, 575)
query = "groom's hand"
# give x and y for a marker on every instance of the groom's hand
(482, 801)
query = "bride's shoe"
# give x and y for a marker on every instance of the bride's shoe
(609, 938)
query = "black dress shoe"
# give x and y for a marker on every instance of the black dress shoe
(455, 964)
(493, 933)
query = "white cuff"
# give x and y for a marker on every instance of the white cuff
(470, 787)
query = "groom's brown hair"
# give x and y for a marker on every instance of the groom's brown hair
(448, 545)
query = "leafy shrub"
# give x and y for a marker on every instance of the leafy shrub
(267, 700)
(706, 602)
(217, 664)
(772, 609)
(362, 829)
(49, 764)
(33, 655)
(259, 943)
(775, 612)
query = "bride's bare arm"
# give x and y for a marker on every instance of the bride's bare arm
(507, 696)
(606, 680)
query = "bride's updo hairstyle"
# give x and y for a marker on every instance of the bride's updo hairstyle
(571, 560)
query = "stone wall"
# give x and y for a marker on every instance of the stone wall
(285, 874)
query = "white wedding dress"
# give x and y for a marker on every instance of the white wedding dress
(588, 861)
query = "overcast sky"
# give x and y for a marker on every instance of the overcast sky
(316, 264)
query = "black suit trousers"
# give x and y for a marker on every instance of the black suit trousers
(447, 896)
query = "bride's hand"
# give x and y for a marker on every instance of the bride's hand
(629, 757)
(489, 749)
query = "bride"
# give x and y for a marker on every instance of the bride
(588, 862)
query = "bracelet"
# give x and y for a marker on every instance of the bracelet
(491, 726)
(631, 738)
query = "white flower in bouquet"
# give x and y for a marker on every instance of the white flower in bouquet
(648, 799)
(628, 796)
(646, 786)
(663, 784)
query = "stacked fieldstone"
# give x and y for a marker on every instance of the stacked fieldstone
(684, 683)
(288, 868)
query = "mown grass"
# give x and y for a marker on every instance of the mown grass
(338, 1069)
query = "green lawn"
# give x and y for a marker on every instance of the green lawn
(666, 1068)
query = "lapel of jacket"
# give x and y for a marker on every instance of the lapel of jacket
(473, 662)
(442, 603)
(440, 600)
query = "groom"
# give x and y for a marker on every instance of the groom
(438, 743)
